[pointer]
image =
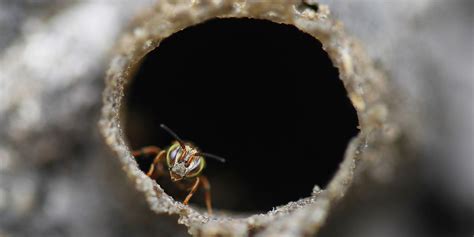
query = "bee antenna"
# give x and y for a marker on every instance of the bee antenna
(174, 135)
(218, 158)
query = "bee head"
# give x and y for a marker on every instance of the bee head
(184, 159)
(184, 162)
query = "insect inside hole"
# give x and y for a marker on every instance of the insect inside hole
(184, 161)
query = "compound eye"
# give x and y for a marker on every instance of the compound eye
(196, 167)
(175, 152)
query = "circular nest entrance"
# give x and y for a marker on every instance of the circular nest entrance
(264, 93)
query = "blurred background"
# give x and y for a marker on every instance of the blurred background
(57, 178)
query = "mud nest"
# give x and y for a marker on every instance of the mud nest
(293, 88)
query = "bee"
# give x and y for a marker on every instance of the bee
(184, 162)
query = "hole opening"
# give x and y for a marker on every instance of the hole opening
(264, 95)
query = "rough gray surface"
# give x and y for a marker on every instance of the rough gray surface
(57, 178)
(427, 49)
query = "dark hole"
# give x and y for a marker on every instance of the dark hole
(263, 95)
(306, 4)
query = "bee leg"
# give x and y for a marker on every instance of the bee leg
(159, 169)
(207, 193)
(156, 162)
(148, 150)
(151, 150)
(195, 187)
